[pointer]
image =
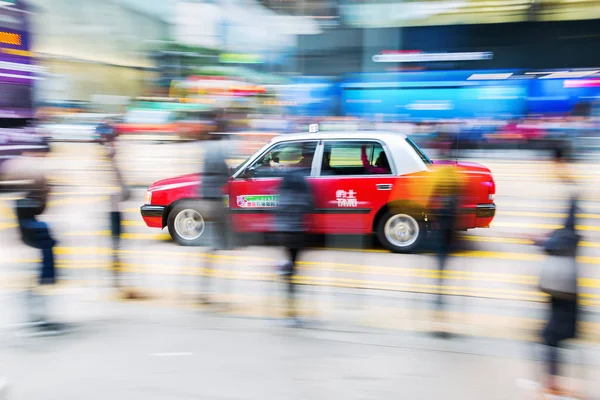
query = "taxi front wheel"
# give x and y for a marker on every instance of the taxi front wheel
(400, 233)
(186, 224)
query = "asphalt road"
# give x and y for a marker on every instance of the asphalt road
(370, 308)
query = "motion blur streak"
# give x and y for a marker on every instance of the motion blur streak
(265, 199)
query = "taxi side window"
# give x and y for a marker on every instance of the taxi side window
(354, 158)
(285, 156)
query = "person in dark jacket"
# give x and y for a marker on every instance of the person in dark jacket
(292, 223)
(36, 234)
(105, 131)
(214, 178)
(444, 208)
(564, 310)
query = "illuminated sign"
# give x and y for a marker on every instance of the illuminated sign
(240, 58)
(408, 57)
(581, 83)
(10, 38)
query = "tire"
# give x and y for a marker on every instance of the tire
(406, 236)
(187, 223)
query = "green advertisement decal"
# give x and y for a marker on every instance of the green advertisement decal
(256, 201)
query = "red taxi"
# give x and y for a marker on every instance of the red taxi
(355, 193)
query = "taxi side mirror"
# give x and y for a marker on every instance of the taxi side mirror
(250, 173)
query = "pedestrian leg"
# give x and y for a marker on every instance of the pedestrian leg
(205, 276)
(116, 263)
(115, 222)
(440, 305)
(291, 285)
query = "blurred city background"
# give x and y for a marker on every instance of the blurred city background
(502, 83)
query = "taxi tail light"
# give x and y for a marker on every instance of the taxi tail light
(491, 185)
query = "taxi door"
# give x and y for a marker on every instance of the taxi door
(254, 194)
(348, 192)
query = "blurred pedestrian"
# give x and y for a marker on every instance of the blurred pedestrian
(559, 280)
(119, 193)
(214, 178)
(292, 225)
(444, 207)
(28, 172)
(105, 131)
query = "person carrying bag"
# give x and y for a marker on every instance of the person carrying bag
(559, 280)
(559, 273)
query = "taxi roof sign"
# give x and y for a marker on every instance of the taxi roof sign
(313, 128)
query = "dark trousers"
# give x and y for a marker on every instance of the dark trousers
(48, 272)
(552, 359)
(290, 272)
(36, 234)
(561, 326)
(444, 247)
(115, 229)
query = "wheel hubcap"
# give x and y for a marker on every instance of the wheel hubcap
(401, 230)
(189, 224)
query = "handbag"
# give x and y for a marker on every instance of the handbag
(562, 242)
(559, 277)
(559, 272)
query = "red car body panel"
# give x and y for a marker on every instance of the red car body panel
(478, 190)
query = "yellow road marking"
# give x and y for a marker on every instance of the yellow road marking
(305, 265)
(493, 239)
(501, 204)
(540, 174)
(126, 236)
(87, 233)
(133, 223)
(154, 236)
(6, 212)
(7, 225)
(497, 293)
(499, 255)
(81, 193)
(354, 249)
(546, 215)
(505, 240)
(503, 224)
(471, 253)
(78, 200)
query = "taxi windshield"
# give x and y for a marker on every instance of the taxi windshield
(418, 150)
(236, 169)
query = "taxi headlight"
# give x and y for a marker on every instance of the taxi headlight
(148, 197)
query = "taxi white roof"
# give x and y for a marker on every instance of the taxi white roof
(401, 154)
(341, 135)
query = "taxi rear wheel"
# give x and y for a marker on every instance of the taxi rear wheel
(186, 224)
(400, 232)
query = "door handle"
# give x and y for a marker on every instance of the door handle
(384, 186)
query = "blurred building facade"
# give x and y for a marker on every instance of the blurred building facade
(95, 47)
(527, 45)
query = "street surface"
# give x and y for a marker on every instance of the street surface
(370, 311)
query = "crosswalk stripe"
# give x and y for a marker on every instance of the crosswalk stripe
(504, 224)
(545, 215)
(505, 240)
(253, 262)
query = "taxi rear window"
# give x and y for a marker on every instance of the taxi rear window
(418, 150)
(354, 158)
